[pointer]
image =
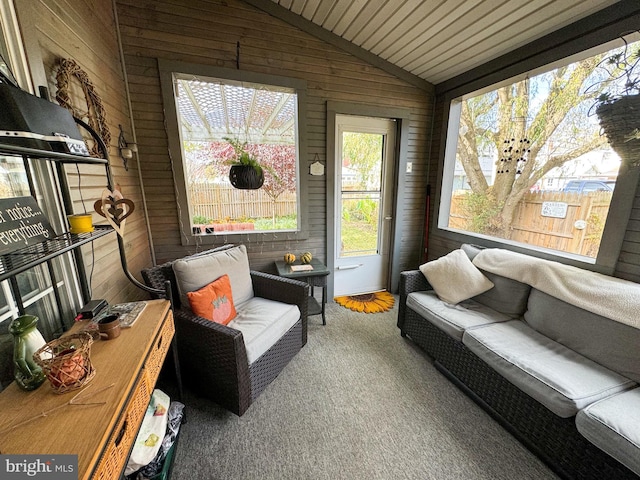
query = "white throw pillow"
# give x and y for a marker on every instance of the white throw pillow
(454, 278)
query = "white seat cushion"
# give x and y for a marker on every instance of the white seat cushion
(262, 323)
(453, 319)
(613, 425)
(562, 380)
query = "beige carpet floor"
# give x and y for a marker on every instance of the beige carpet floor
(358, 402)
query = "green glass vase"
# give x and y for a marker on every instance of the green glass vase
(26, 341)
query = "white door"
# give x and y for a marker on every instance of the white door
(364, 204)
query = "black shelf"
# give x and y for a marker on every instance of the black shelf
(6, 149)
(20, 260)
(314, 307)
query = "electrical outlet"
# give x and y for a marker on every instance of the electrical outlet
(409, 167)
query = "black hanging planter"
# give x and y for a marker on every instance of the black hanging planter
(620, 121)
(246, 177)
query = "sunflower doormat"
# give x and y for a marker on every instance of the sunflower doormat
(375, 302)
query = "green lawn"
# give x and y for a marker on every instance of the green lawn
(282, 223)
(359, 236)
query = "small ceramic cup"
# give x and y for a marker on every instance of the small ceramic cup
(80, 223)
(109, 327)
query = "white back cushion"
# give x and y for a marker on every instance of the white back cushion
(193, 273)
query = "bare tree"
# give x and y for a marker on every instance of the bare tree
(531, 127)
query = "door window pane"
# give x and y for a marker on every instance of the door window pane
(361, 192)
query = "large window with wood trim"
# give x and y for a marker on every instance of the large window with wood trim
(239, 149)
(527, 163)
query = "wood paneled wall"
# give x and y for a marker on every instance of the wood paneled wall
(628, 266)
(85, 31)
(206, 32)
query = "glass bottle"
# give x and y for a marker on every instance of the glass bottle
(26, 341)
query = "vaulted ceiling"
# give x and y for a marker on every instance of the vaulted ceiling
(435, 40)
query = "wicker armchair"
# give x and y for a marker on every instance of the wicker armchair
(213, 358)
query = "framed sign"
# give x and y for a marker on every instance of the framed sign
(316, 168)
(554, 209)
(22, 224)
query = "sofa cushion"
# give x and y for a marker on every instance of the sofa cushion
(193, 273)
(613, 425)
(262, 323)
(610, 343)
(562, 380)
(507, 296)
(454, 278)
(452, 319)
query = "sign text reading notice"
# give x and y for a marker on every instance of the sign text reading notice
(22, 224)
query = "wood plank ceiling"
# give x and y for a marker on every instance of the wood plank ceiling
(440, 39)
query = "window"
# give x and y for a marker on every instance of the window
(220, 114)
(526, 163)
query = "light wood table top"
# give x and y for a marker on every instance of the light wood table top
(81, 430)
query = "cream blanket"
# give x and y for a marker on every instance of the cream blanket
(610, 297)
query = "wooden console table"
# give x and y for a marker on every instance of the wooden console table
(101, 435)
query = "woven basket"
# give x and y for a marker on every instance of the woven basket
(66, 362)
(620, 121)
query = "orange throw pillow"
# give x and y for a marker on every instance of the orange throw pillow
(214, 301)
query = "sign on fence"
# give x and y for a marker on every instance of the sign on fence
(554, 209)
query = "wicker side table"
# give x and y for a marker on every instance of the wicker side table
(315, 278)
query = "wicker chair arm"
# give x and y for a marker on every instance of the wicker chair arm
(410, 281)
(156, 276)
(214, 357)
(280, 289)
(285, 290)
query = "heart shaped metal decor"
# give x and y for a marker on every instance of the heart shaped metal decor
(115, 208)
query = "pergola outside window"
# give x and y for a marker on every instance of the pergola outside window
(213, 114)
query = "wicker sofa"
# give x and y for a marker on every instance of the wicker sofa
(232, 364)
(519, 352)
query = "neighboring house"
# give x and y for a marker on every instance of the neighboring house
(487, 163)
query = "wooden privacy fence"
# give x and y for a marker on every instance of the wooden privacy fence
(218, 202)
(552, 220)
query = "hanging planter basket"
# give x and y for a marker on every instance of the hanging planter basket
(620, 121)
(246, 177)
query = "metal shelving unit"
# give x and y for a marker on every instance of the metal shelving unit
(21, 260)
(11, 264)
